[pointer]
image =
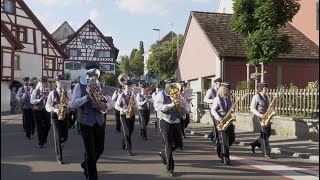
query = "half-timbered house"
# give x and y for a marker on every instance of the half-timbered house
(41, 55)
(89, 44)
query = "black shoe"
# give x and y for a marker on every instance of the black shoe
(170, 173)
(163, 159)
(253, 146)
(123, 145)
(84, 169)
(32, 132)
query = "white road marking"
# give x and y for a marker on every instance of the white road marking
(282, 170)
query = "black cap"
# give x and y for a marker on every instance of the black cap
(143, 86)
(26, 79)
(169, 81)
(226, 84)
(218, 80)
(128, 82)
(60, 77)
(119, 86)
(92, 65)
(32, 83)
(44, 79)
(263, 84)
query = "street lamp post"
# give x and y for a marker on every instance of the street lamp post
(158, 43)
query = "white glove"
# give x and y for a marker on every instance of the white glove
(124, 111)
(56, 110)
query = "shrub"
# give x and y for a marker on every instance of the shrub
(242, 85)
(313, 85)
(67, 75)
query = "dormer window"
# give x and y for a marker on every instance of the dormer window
(9, 6)
(88, 41)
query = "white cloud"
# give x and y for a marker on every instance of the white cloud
(60, 3)
(93, 14)
(144, 6)
(88, 1)
(201, 1)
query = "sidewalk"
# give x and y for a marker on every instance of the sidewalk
(279, 144)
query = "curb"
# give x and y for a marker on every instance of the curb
(311, 157)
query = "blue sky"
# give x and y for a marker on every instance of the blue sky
(127, 21)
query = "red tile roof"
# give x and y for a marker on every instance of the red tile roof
(217, 28)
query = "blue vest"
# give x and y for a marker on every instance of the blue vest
(57, 97)
(225, 107)
(26, 99)
(126, 100)
(145, 106)
(172, 114)
(89, 115)
(214, 93)
(263, 104)
(39, 106)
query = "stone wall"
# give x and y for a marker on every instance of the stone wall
(304, 129)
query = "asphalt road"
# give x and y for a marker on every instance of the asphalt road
(21, 159)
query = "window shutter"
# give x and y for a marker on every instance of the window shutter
(79, 65)
(67, 66)
(111, 67)
(79, 52)
(95, 53)
(112, 54)
(94, 41)
(68, 51)
(83, 41)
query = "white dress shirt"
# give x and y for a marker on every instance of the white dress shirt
(51, 100)
(209, 96)
(254, 102)
(19, 93)
(125, 106)
(77, 101)
(33, 99)
(159, 106)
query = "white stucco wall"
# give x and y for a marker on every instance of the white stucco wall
(5, 96)
(30, 65)
(225, 6)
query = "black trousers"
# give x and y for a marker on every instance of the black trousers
(214, 135)
(263, 140)
(225, 140)
(184, 123)
(72, 117)
(93, 138)
(23, 119)
(60, 134)
(118, 123)
(144, 116)
(156, 124)
(29, 122)
(171, 137)
(127, 129)
(43, 125)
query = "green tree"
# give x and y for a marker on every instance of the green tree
(137, 65)
(168, 63)
(109, 79)
(133, 53)
(141, 47)
(259, 21)
(124, 65)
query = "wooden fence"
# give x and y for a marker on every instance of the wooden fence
(300, 102)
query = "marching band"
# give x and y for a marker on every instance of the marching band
(88, 101)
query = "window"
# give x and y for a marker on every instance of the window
(73, 52)
(103, 53)
(23, 34)
(49, 63)
(106, 67)
(20, 33)
(17, 62)
(88, 41)
(92, 29)
(8, 6)
(65, 30)
(73, 65)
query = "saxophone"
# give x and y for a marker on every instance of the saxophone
(63, 107)
(131, 104)
(228, 118)
(271, 111)
(174, 93)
